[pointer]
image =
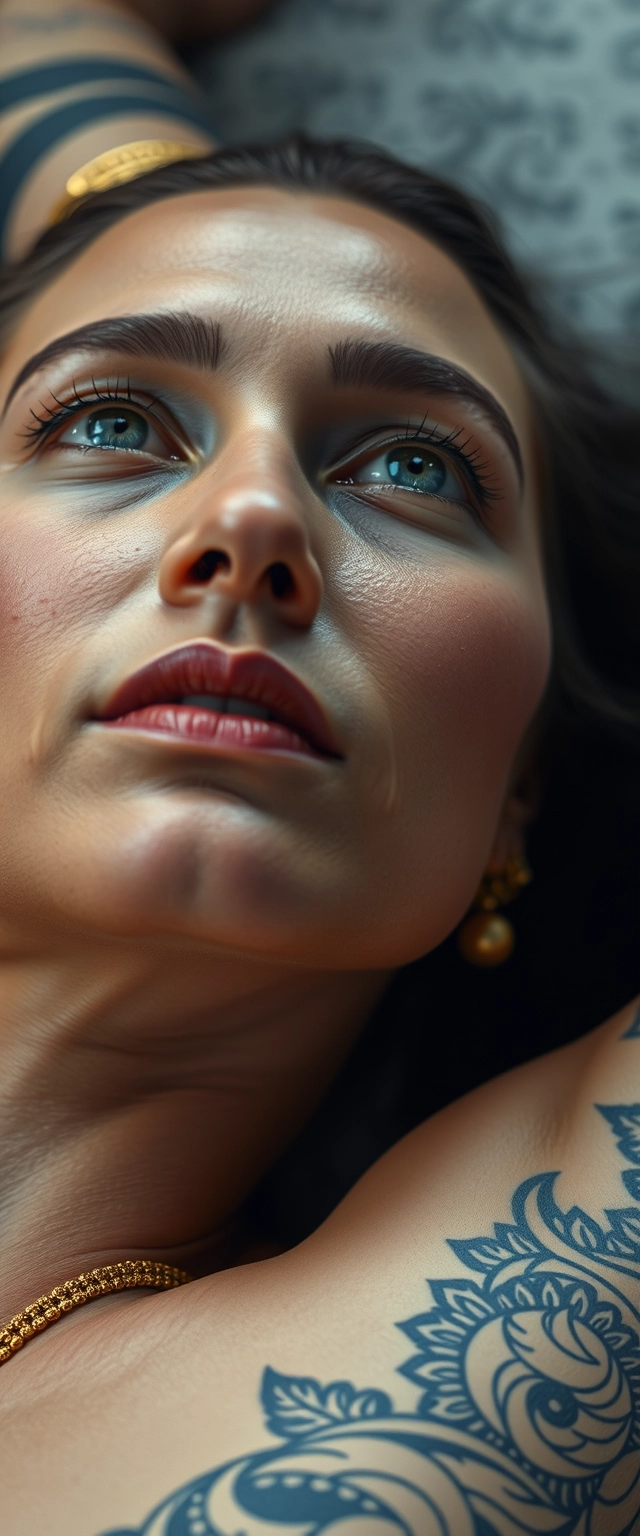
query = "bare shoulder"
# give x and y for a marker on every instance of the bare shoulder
(455, 1353)
(549, 1110)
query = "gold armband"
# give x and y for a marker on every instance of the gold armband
(119, 165)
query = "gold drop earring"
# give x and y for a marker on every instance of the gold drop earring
(487, 938)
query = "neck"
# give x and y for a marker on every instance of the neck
(142, 1099)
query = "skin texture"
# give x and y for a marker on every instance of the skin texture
(130, 1402)
(413, 634)
(192, 940)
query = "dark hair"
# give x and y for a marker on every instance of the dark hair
(589, 438)
(577, 952)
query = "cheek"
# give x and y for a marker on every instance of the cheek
(462, 656)
(30, 588)
(477, 663)
(463, 660)
(56, 583)
(34, 629)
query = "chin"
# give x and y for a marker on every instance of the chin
(218, 873)
(215, 873)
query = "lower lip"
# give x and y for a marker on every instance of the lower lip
(203, 727)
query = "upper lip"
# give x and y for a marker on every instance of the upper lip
(204, 667)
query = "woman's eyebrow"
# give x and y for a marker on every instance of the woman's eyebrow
(179, 337)
(388, 365)
(184, 337)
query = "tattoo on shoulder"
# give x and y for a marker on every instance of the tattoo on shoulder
(527, 1414)
(633, 1032)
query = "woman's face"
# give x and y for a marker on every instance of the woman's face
(293, 473)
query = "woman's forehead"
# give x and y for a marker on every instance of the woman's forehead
(278, 265)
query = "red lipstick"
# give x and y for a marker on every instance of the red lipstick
(207, 695)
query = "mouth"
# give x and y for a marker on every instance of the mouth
(222, 700)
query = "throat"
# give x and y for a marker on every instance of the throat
(158, 1180)
(142, 1099)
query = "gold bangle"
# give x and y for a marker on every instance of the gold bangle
(48, 1309)
(115, 166)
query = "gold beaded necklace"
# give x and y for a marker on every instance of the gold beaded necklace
(48, 1309)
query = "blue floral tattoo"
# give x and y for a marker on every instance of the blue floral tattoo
(528, 1416)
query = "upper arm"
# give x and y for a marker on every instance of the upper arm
(77, 81)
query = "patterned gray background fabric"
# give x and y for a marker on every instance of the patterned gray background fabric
(533, 105)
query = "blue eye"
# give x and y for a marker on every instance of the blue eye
(413, 467)
(118, 427)
(417, 471)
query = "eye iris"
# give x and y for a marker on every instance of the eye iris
(117, 427)
(416, 471)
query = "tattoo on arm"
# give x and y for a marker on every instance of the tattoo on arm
(527, 1419)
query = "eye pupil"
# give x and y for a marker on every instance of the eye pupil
(412, 470)
(110, 425)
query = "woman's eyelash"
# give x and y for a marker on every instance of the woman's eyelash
(42, 426)
(55, 415)
(469, 458)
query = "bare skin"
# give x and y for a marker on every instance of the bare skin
(125, 1402)
(194, 927)
(192, 936)
(177, 903)
(34, 33)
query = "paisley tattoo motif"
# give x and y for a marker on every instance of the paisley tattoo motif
(527, 1421)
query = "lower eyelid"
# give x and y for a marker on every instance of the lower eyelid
(467, 503)
(461, 494)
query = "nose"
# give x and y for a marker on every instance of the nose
(247, 540)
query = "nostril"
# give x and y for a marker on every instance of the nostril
(211, 561)
(282, 583)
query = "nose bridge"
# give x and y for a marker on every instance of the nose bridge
(246, 534)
